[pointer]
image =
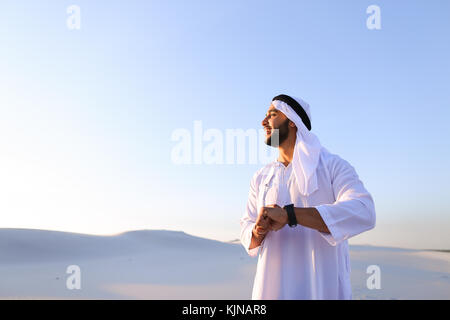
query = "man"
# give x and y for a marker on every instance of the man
(301, 210)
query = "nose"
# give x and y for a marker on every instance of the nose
(265, 122)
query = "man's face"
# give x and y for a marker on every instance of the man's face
(276, 125)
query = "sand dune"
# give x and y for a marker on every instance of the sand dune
(161, 264)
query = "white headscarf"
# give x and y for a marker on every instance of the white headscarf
(307, 148)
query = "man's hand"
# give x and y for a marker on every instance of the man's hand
(262, 225)
(277, 216)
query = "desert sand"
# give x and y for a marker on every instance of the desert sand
(161, 264)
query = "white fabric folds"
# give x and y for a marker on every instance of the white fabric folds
(307, 148)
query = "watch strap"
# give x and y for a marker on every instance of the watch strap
(292, 220)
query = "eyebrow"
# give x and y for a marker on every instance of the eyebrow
(273, 110)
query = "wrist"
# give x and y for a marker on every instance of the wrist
(290, 213)
(286, 216)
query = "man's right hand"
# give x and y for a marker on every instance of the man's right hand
(262, 226)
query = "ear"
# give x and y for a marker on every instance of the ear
(292, 124)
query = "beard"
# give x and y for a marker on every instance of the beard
(279, 135)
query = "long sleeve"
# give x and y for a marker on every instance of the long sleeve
(353, 212)
(248, 220)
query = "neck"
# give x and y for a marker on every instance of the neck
(286, 150)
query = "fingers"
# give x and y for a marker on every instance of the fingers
(267, 212)
(263, 212)
(261, 231)
(262, 217)
(264, 223)
(267, 218)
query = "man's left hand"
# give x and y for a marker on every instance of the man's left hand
(277, 215)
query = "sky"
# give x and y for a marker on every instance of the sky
(88, 115)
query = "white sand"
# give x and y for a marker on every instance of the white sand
(158, 264)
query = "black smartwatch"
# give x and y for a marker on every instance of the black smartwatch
(292, 220)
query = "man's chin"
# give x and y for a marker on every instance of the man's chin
(269, 142)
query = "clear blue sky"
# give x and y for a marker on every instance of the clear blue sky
(86, 116)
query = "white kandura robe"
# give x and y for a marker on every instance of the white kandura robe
(300, 262)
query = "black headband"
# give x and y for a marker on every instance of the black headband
(296, 107)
